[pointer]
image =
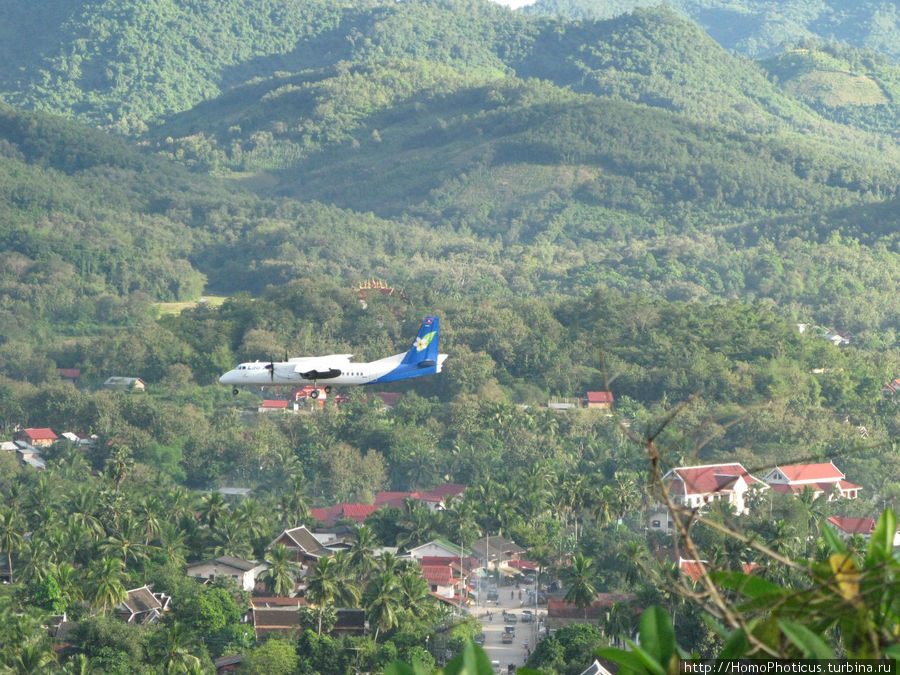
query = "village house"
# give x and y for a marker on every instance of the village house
(244, 572)
(439, 547)
(846, 527)
(434, 499)
(343, 511)
(302, 545)
(496, 552)
(822, 478)
(38, 438)
(696, 486)
(440, 580)
(273, 406)
(70, 375)
(600, 400)
(30, 455)
(274, 615)
(143, 606)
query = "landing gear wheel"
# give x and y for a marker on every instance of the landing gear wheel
(327, 388)
(234, 392)
(315, 393)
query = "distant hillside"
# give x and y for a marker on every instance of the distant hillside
(759, 27)
(841, 84)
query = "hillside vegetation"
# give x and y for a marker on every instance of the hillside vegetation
(760, 28)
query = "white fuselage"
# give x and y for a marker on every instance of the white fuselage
(300, 371)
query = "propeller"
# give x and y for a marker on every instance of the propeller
(271, 368)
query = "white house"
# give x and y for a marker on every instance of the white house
(244, 572)
(847, 527)
(694, 486)
(437, 548)
(822, 478)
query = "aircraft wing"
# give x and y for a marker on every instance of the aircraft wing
(320, 367)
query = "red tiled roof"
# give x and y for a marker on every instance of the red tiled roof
(330, 515)
(710, 478)
(600, 397)
(391, 498)
(438, 574)
(277, 403)
(811, 473)
(42, 434)
(853, 525)
(69, 373)
(447, 490)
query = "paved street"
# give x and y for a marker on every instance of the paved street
(514, 653)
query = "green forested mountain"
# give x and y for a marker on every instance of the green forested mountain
(761, 28)
(611, 204)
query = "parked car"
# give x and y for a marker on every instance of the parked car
(527, 616)
(510, 617)
(509, 634)
(493, 594)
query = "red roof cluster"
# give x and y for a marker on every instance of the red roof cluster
(357, 512)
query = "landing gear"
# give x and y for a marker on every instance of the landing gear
(234, 392)
(315, 392)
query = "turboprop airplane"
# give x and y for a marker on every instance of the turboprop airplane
(421, 359)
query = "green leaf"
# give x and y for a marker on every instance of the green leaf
(636, 661)
(657, 635)
(881, 545)
(835, 542)
(399, 668)
(751, 585)
(812, 646)
(473, 661)
(736, 645)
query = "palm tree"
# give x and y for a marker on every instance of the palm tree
(419, 523)
(212, 509)
(328, 586)
(362, 553)
(174, 653)
(126, 542)
(580, 578)
(12, 529)
(281, 576)
(252, 520)
(33, 657)
(382, 600)
(149, 510)
(293, 507)
(172, 543)
(106, 577)
(231, 538)
(118, 465)
(70, 583)
(415, 596)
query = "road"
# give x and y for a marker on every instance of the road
(504, 654)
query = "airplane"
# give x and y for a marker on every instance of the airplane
(421, 359)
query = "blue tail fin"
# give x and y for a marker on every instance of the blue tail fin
(424, 351)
